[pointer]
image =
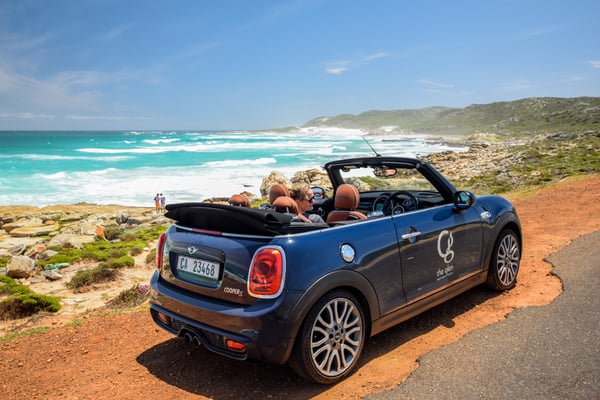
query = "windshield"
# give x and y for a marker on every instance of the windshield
(388, 179)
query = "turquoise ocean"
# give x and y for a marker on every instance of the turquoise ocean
(130, 167)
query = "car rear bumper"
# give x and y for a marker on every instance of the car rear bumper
(264, 328)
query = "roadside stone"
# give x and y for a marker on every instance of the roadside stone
(52, 275)
(20, 267)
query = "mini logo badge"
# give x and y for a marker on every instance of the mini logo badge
(192, 249)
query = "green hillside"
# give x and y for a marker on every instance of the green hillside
(532, 115)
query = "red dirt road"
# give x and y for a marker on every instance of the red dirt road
(126, 357)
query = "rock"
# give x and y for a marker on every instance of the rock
(70, 240)
(17, 250)
(22, 222)
(35, 251)
(52, 275)
(72, 217)
(273, 178)
(87, 228)
(20, 267)
(122, 217)
(47, 254)
(29, 231)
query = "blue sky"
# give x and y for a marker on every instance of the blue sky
(200, 64)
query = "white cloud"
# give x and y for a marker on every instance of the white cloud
(574, 78)
(117, 31)
(376, 56)
(433, 84)
(518, 85)
(25, 115)
(106, 118)
(339, 67)
(336, 70)
(594, 63)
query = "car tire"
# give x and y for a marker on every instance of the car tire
(505, 261)
(331, 339)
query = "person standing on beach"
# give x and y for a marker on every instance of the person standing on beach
(163, 201)
(157, 203)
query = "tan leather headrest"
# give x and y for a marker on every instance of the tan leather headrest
(240, 200)
(347, 197)
(285, 204)
(278, 190)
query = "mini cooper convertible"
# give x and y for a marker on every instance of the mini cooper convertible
(263, 284)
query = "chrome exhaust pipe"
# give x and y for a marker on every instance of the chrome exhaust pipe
(188, 337)
(196, 341)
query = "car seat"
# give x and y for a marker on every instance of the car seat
(285, 204)
(240, 200)
(346, 200)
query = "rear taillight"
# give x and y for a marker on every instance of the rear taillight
(267, 273)
(160, 246)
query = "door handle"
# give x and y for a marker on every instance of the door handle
(411, 235)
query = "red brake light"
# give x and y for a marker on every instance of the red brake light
(159, 250)
(266, 273)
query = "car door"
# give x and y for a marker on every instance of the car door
(438, 246)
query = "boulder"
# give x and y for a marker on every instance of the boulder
(122, 217)
(29, 231)
(273, 178)
(20, 267)
(17, 250)
(22, 222)
(70, 240)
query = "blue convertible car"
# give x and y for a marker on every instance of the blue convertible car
(262, 284)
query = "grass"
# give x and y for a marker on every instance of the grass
(13, 336)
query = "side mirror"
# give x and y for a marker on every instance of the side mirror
(464, 199)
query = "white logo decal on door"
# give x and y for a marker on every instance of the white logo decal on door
(448, 254)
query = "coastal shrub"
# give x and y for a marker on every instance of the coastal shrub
(150, 234)
(112, 233)
(99, 274)
(26, 305)
(128, 236)
(130, 242)
(131, 297)
(8, 286)
(4, 261)
(121, 262)
(151, 257)
(136, 251)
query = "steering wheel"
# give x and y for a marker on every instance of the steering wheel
(394, 205)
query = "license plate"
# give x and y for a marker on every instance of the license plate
(197, 266)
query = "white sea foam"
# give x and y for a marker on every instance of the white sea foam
(189, 166)
(240, 163)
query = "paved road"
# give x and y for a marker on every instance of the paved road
(549, 352)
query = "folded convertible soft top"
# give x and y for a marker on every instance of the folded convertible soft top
(239, 220)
